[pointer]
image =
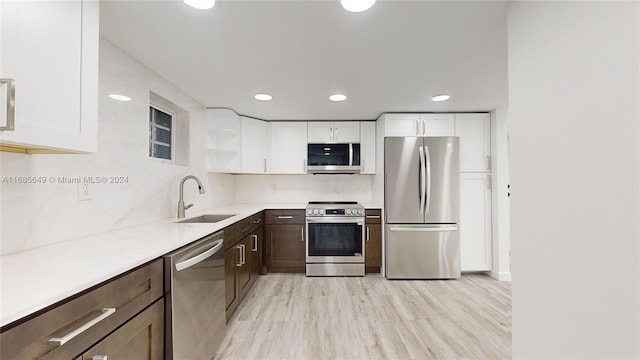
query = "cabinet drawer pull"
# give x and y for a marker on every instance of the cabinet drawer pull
(99, 357)
(255, 243)
(106, 312)
(285, 217)
(11, 104)
(373, 216)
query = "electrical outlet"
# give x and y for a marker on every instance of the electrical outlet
(85, 191)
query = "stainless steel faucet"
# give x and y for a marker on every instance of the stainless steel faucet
(181, 205)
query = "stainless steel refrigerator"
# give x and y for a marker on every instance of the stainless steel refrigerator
(422, 192)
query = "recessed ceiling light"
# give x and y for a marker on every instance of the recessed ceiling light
(263, 97)
(119, 97)
(357, 5)
(337, 97)
(200, 4)
(442, 97)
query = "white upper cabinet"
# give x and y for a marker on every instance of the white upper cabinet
(419, 124)
(475, 141)
(50, 50)
(288, 147)
(367, 147)
(254, 146)
(437, 124)
(333, 131)
(401, 124)
(475, 221)
(224, 129)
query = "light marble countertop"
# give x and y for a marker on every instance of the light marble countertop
(34, 279)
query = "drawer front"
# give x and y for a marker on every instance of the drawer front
(285, 217)
(127, 294)
(231, 235)
(373, 216)
(245, 227)
(257, 220)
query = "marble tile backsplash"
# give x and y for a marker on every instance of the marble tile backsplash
(34, 215)
(302, 188)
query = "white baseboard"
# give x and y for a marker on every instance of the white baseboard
(500, 276)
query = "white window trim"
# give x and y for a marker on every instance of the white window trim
(173, 136)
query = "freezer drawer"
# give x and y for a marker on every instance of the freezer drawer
(423, 251)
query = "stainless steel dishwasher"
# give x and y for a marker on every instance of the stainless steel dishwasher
(195, 320)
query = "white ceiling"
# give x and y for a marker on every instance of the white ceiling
(391, 58)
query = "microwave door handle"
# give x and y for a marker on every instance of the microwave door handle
(350, 153)
(422, 175)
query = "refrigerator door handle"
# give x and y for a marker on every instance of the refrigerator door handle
(427, 155)
(422, 229)
(422, 179)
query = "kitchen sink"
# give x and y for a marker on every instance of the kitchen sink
(207, 219)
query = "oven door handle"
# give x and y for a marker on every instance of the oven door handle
(359, 221)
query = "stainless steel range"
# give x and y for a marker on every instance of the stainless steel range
(335, 238)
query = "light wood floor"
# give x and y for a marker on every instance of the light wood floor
(290, 316)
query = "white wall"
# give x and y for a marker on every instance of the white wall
(302, 188)
(574, 135)
(36, 215)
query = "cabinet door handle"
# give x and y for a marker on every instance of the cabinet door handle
(302, 233)
(239, 248)
(488, 162)
(265, 165)
(335, 136)
(99, 357)
(330, 134)
(255, 243)
(285, 217)
(367, 233)
(488, 182)
(416, 127)
(244, 254)
(106, 312)
(11, 104)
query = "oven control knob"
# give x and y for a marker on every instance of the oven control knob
(309, 212)
(348, 211)
(316, 212)
(360, 212)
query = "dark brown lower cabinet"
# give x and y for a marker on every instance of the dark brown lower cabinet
(285, 248)
(257, 246)
(242, 262)
(140, 338)
(101, 311)
(245, 268)
(231, 257)
(373, 241)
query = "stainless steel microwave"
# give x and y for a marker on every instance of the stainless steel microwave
(333, 158)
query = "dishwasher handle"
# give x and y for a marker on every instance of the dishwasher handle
(200, 257)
